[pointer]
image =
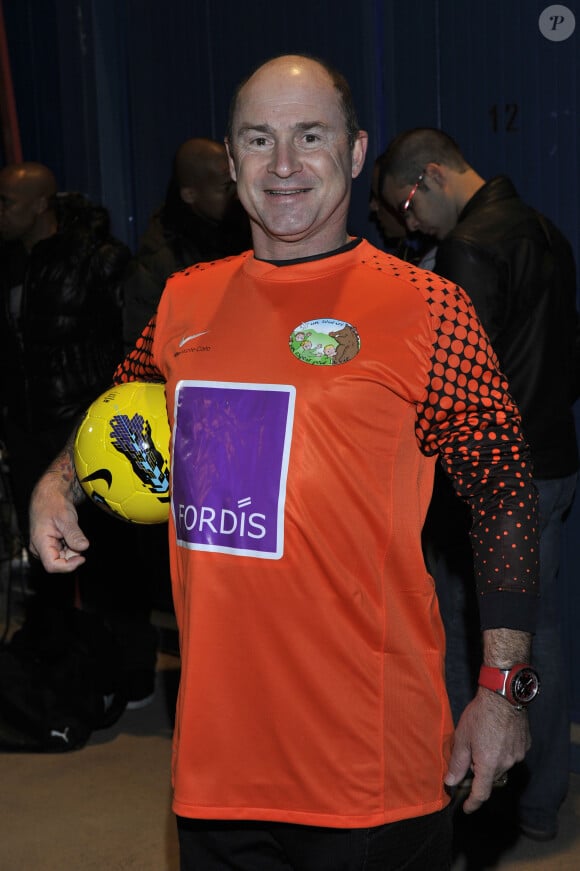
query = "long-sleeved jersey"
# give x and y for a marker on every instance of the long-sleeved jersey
(308, 402)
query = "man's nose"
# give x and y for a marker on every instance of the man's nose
(285, 160)
(412, 222)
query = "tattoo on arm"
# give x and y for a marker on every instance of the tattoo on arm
(64, 468)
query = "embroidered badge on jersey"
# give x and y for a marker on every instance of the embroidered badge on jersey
(231, 447)
(324, 342)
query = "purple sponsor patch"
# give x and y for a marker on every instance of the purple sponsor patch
(231, 444)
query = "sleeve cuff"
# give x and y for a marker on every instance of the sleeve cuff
(508, 610)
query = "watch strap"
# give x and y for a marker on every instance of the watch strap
(495, 678)
(501, 681)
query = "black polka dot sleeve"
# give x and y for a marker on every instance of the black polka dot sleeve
(138, 364)
(468, 417)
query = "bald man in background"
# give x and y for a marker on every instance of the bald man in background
(60, 322)
(25, 213)
(200, 220)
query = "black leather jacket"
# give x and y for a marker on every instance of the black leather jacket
(174, 239)
(519, 270)
(64, 349)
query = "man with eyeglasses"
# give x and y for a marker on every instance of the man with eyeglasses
(396, 237)
(519, 271)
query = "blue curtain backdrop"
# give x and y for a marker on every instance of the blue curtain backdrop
(107, 89)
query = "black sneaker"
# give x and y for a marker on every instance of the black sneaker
(140, 689)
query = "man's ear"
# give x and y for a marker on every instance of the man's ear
(187, 194)
(359, 152)
(41, 205)
(437, 173)
(233, 173)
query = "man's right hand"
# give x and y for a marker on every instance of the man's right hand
(55, 535)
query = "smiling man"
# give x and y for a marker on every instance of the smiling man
(313, 729)
(293, 154)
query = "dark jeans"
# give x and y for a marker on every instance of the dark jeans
(420, 844)
(547, 763)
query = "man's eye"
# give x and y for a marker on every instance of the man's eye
(311, 138)
(259, 141)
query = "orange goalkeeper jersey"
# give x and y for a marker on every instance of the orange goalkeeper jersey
(308, 402)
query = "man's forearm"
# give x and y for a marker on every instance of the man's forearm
(503, 648)
(62, 473)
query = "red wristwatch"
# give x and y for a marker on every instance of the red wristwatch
(519, 685)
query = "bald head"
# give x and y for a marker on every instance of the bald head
(202, 175)
(26, 214)
(33, 179)
(195, 157)
(294, 154)
(289, 64)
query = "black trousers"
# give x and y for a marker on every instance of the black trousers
(420, 844)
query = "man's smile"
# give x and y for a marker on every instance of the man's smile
(286, 193)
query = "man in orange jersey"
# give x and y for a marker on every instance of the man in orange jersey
(313, 730)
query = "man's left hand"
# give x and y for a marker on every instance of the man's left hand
(490, 738)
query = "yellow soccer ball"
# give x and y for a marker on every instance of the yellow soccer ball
(121, 452)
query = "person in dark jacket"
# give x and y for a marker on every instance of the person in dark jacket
(60, 272)
(60, 341)
(200, 220)
(519, 271)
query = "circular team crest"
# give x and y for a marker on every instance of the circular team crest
(324, 342)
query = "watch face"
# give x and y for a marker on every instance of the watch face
(525, 686)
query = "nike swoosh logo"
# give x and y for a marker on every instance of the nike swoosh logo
(99, 475)
(194, 336)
